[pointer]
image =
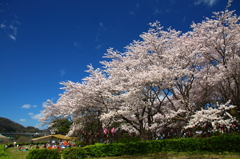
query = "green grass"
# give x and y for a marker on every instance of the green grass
(15, 154)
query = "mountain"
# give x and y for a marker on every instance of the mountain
(32, 129)
(9, 126)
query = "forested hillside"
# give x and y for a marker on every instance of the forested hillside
(7, 125)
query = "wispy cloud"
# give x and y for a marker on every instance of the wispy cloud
(12, 37)
(161, 11)
(173, 2)
(37, 116)
(38, 125)
(132, 13)
(26, 106)
(184, 19)
(2, 25)
(209, 3)
(30, 113)
(10, 27)
(76, 44)
(22, 119)
(156, 11)
(96, 39)
(63, 72)
(99, 46)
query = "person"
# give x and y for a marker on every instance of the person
(14, 143)
(26, 148)
(59, 149)
(6, 146)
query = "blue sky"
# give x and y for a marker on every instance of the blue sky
(44, 42)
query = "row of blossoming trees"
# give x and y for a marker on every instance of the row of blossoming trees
(168, 82)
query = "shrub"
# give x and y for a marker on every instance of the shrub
(219, 144)
(3, 154)
(80, 143)
(43, 154)
(75, 152)
(223, 143)
(127, 139)
(181, 145)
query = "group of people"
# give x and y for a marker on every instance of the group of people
(51, 144)
(56, 144)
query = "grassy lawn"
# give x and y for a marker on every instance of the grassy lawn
(14, 154)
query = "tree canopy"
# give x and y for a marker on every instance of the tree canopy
(168, 80)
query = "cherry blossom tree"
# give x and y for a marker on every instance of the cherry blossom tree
(215, 117)
(169, 80)
(218, 46)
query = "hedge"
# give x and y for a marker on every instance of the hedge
(228, 143)
(3, 154)
(43, 154)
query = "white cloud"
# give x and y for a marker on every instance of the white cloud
(12, 37)
(34, 106)
(26, 106)
(38, 125)
(37, 116)
(14, 29)
(30, 113)
(209, 3)
(22, 119)
(2, 26)
(10, 26)
(10, 29)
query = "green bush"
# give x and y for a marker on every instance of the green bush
(127, 139)
(3, 154)
(43, 154)
(75, 152)
(181, 145)
(223, 143)
(220, 144)
(100, 150)
(23, 143)
(80, 143)
(40, 143)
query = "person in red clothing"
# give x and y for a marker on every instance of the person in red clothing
(65, 143)
(59, 149)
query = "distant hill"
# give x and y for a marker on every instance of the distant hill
(9, 126)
